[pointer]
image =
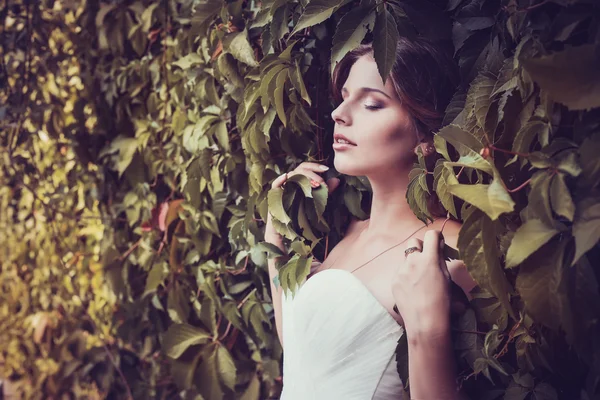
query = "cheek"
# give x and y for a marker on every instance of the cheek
(389, 133)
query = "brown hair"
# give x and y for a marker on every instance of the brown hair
(424, 76)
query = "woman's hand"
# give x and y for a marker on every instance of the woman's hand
(310, 170)
(421, 287)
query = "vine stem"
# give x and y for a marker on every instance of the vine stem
(467, 331)
(521, 186)
(515, 153)
(114, 362)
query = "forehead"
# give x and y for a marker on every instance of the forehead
(364, 73)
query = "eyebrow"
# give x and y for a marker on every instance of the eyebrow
(367, 90)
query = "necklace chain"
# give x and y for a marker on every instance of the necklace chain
(385, 251)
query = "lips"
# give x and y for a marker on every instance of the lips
(339, 136)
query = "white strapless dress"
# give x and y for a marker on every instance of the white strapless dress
(339, 342)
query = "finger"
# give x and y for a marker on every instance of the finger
(316, 167)
(279, 181)
(309, 174)
(444, 268)
(431, 243)
(413, 242)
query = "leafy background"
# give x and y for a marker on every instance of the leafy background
(139, 140)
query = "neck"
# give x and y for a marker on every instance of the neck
(390, 209)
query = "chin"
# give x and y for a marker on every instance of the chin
(345, 165)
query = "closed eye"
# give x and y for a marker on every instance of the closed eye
(373, 106)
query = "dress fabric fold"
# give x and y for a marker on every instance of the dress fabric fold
(339, 342)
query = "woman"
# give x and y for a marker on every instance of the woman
(340, 330)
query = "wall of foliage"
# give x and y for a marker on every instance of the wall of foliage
(139, 139)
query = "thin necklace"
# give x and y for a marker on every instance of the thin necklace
(385, 251)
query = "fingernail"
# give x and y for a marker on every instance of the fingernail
(324, 167)
(315, 183)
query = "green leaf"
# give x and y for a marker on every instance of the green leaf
(278, 96)
(316, 12)
(302, 269)
(304, 224)
(207, 375)
(266, 79)
(493, 199)
(177, 304)
(538, 206)
(237, 44)
(590, 162)
(270, 249)
(188, 61)
(579, 85)
(352, 200)
(443, 177)
(540, 283)
(179, 337)
(320, 196)
(464, 142)
(479, 250)
(125, 147)
(350, 32)
(385, 40)
(279, 25)
(304, 182)
(253, 390)
(156, 276)
(298, 82)
(530, 236)
(586, 227)
(206, 10)
(263, 17)
(275, 199)
(544, 391)
(222, 135)
(226, 367)
(481, 93)
(562, 203)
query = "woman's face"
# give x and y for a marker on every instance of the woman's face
(372, 117)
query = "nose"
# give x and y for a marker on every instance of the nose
(340, 116)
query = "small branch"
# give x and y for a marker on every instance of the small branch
(114, 362)
(473, 332)
(533, 7)
(132, 248)
(519, 187)
(511, 337)
(492, 147)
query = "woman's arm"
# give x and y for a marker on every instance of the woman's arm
(421, 291)
(431, 364)
(271, 236)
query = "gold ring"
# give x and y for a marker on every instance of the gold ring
(411, 250)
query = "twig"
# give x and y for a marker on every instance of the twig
(114, 362)
(467, 331)
(515, 153)
(132, 248)
(521, 186)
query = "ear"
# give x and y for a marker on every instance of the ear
(427, 148)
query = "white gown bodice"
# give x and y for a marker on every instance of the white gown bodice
(339, 342)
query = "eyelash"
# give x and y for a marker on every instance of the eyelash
(367, 106)
(372, 107)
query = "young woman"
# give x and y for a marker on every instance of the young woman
(340, 330)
